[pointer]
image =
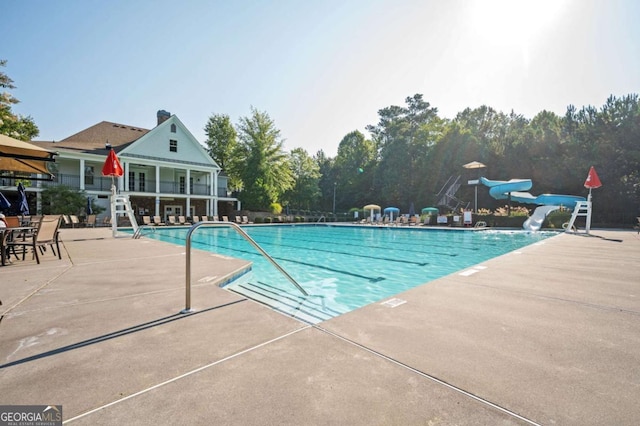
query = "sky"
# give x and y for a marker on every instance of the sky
(319, 68)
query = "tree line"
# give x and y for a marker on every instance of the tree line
(412, 152)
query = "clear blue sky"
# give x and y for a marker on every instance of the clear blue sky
(320, 69)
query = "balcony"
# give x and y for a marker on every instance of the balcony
(104, 184)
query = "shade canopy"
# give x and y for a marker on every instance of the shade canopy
(24, 157)
(474, 165)
(112, 166)
(373, 208)
(430, 211)
(391, 211)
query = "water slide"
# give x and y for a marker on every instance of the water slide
(516, 188)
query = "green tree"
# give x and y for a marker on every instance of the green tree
(353, 171)
(222, 142)
(16, 126)
(327, 179)
(63, 200)
(306, 174)
(404, 137)
(266, 173)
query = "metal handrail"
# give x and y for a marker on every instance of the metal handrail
(321, 218)
(141, 228)
(246, 236)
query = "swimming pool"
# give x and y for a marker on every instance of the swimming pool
(346, 267)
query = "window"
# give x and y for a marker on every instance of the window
(173, 145)
(182, 184)
(190, 185)
(88, 175)
(132, 181)
(141, 179)
(173, 128)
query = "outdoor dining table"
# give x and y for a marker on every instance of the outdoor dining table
(7, 234)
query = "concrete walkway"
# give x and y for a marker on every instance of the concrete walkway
(549, 334)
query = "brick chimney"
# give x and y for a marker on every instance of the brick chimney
(163, 116)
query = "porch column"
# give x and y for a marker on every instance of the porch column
(82, 174)
(125, 179)
(214, 193)
(157, 184)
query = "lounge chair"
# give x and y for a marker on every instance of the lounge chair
(66, 220)
(172, 220)
(146, 220)
(91, 220)
(205, 219)
(238, 220)
(225, 218)
(157, 221)
(75, 222)
(183, 221)
(46, 234)
(245, 220)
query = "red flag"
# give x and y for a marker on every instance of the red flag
(112, 165)
(593, 181)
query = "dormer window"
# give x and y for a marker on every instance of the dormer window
(173, 128)
(173, 145)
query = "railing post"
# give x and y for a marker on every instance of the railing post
(187, 309)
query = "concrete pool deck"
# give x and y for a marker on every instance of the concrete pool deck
(548, 334)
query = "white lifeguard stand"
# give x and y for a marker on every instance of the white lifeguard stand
(120, 205)
(583, 208)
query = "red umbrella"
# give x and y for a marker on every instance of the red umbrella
(593, 181)
(112, 166)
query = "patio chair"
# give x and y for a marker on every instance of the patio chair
(245, 220)
(238, 220)
(91, 220)
(146, 220)
(75, 222)
(157, 221)
(66, 220)
(183, 221)
(225, 218)
(172, 220)
(205, 219)
(46, 234)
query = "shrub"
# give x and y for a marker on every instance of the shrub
(556, 218)
(275, 208)
(258, 219)
(267, 220)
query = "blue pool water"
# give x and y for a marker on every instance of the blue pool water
(344, 268)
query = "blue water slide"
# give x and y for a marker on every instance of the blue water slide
(500, 190)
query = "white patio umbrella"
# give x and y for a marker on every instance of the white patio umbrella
(373, 208)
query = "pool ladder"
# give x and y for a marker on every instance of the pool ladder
(140, 231)
(187, 308)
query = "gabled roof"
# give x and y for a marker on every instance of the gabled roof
(93, 140)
